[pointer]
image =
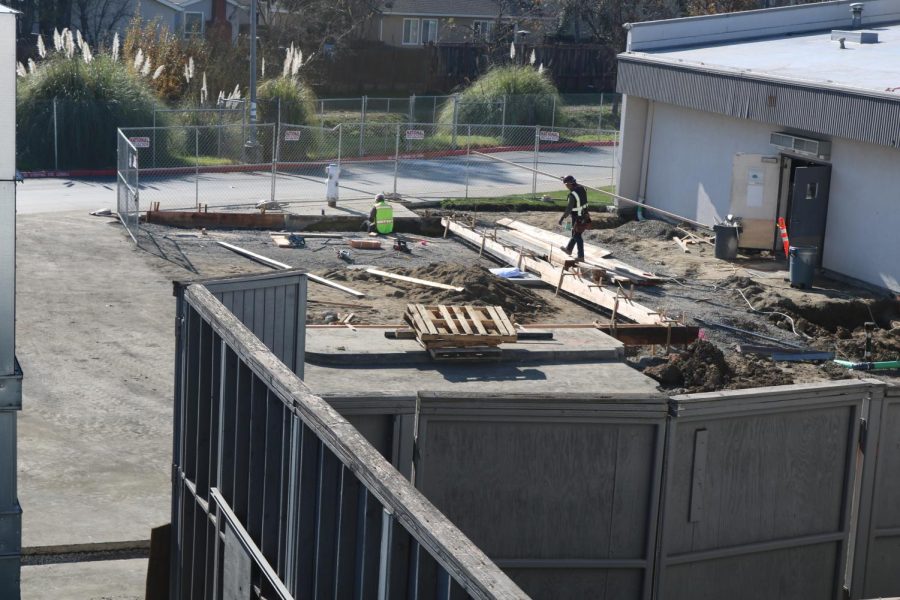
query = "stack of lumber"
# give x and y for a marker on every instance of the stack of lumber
(549, 245)
(610, 296)
(459, 327)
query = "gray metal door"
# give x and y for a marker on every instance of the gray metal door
(809, 206)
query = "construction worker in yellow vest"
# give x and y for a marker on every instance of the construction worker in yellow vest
(381, 217)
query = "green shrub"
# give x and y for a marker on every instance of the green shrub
(298, 102)
(93, 100)
(531, 98)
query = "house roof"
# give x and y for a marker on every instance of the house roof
(442, 8)
(7, 10)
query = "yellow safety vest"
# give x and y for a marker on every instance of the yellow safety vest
(579, 207)
(384, 217)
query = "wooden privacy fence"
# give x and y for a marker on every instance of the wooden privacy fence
(784, 492)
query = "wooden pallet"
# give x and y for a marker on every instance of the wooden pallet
(459, 326)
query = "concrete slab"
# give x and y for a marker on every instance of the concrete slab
(98, 580)
(527, 378)
(95, 338)
(368, 346)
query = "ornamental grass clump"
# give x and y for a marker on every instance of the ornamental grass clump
(528, 93)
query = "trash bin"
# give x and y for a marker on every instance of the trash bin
(802, 265)
(726, 241)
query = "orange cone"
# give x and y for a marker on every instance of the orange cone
(784, 236)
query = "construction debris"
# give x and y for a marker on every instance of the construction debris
(280, 265)
(461, 332)
(612, 298)
(434, 284)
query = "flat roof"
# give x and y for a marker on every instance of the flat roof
(811, 57)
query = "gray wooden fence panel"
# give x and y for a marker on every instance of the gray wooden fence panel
(561, 494)
(273, 307)
(758, 492)
(877, 561)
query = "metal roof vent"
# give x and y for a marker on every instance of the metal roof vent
(856, 15)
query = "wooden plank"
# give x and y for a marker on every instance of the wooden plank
(280, 265)
(449, 319)
(616, 269)
(434, 284)
(576, 286)
(473, 314)
(461, 317)
(549, 237)
(414, 319)
(503, 325)
(681, 244)
(426, 317)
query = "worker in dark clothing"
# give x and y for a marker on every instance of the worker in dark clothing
(578, 209)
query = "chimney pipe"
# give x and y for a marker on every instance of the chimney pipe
(856, 10)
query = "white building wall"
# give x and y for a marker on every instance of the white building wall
(862, 238)
(689, 173)
(690, 160)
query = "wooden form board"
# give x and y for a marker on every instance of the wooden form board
(460, 326)
(605, 297)
(425, 282)
(595, 256)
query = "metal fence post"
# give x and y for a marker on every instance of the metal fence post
(412, 109)
(396, 158)
(434, 109)
(537, 151)
(55, 138)
(468, 156)
(503, 113)
(276, 152)
(455, 117)
(340, 142)
(362, 123)
(197, 167)
(600, 120)
(154, 138)
(553, 114)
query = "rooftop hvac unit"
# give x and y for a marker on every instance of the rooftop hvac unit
(801, 146)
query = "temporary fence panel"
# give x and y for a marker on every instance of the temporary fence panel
(501, 160)
(561, 493)
(875, 572)
(304, 154)
(276, 495)
(273, 307)
(127, 185)
(431, 161)
(758, 492)
(586, 154)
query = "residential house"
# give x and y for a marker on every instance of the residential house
(786, 112)
(411, 23)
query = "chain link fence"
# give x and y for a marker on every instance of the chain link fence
(242, 166)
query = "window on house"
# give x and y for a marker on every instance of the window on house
(482, 30)
(193, 24)
(429, 31)
(410, 31)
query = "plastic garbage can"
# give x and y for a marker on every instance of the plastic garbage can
(726, 241)
(802, 265)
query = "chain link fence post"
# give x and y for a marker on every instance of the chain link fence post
(455, 116)
(276, 151)
(396, 158)
(600, 118)
(537, 151)
(412, 110)
(55, 138)
(362, 125)
(197, 167)
(468, 156)
(553, 114)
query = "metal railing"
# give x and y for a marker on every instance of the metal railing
(275, 495)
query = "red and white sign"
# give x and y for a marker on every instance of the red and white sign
(549, 136)
(415, 134)
(140, 142)
(292, 135)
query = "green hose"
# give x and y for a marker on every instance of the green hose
(869, 366)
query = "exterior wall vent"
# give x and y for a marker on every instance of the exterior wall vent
(801, 146)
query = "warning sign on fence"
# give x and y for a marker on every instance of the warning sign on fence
(415, 134)
(549, 136)
(292, 135)
(140, 142)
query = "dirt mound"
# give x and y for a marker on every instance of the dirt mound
(703, 368)
(480, 287)
(647, 230)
